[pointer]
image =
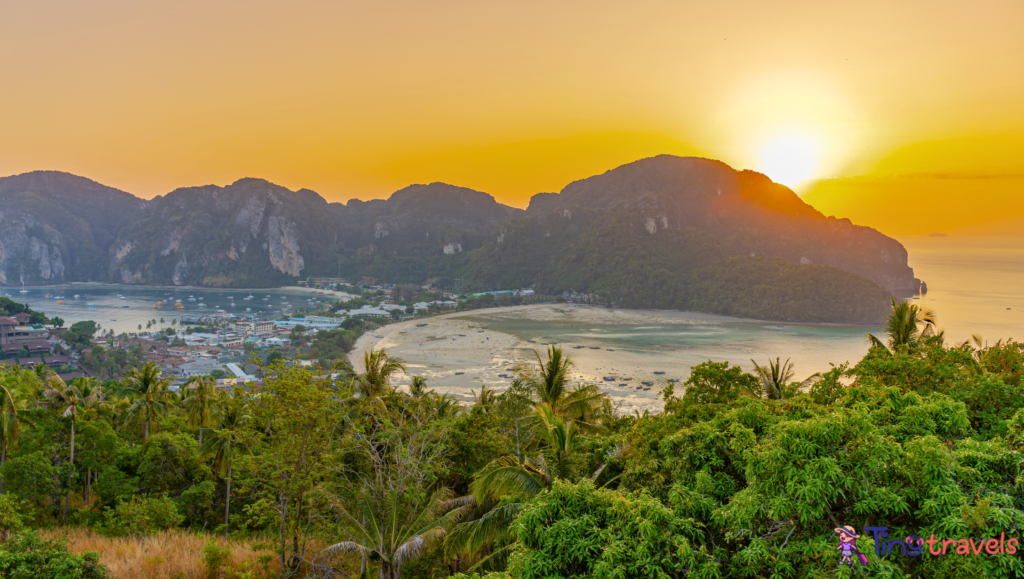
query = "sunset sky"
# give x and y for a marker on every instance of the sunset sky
(904, 102)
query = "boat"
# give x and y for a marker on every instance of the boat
(459, 373)
(609, 378)
(673, 380)
(646, 383)
(23, 290)
(76, 296)
(49, 295)
(125, 306)
(248, 309)
(177, 301)
(90, 305)
(191, 299)
(179, 306)
(202, 305)
(154, 306)
(121, 297)
(60, 302)
(659, 372)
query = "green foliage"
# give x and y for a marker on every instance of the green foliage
(143, 516)
(9, 307)
(31, 477)
(215, 557)
(28, 556)
(580, 531)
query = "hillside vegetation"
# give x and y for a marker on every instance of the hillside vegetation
(742, 474)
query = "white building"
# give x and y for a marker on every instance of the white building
(240, 375)
(369, 312)
(323, 320)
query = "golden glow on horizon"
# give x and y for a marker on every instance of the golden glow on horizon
(361, 99)
(789, 159)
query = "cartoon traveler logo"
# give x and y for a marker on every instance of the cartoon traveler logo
(848, 546)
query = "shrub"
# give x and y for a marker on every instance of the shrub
(31, 477)
(143, 516)
(28, 556)
(10, 517)
(215, 557)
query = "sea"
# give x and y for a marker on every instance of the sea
(123, 308)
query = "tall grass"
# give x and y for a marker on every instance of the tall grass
(168, 555)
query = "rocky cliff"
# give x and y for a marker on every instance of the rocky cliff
(660, 232)
(57, 227)
(744, 211)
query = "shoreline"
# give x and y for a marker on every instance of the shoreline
(459, 352)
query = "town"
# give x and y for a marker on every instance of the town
(232, 347)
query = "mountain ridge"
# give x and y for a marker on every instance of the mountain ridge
(678, 223)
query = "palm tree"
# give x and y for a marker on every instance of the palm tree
(908, 325)
(149, 395)
(223, 440)
(418, 387)
(10, 422)
(140, 327)
(485, 398)
(521, 480)
(66, 398)
(548, 385)
(200, 392)
(379, 368)
(393, 530)
(774, 377)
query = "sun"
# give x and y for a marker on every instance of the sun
(789, 159)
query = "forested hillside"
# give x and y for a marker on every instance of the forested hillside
(742, 474)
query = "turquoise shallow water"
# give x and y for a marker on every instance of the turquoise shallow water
(675, 345)
(110, 314)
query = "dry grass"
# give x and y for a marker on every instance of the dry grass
(167, 555)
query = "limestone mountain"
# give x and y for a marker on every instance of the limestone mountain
(56, 227)
(743, 211)
(251, 233)
(667, 232)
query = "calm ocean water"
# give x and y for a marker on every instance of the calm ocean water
(975, 284)
(108, 309)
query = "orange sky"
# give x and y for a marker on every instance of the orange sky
(358, 99)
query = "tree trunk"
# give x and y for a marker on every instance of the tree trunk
(85, 489)
(145, 429)
(284, 513)
(362, 567)
(3, 458)
(227, 503)
(71, 475)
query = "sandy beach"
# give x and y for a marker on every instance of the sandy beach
(459, 352)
